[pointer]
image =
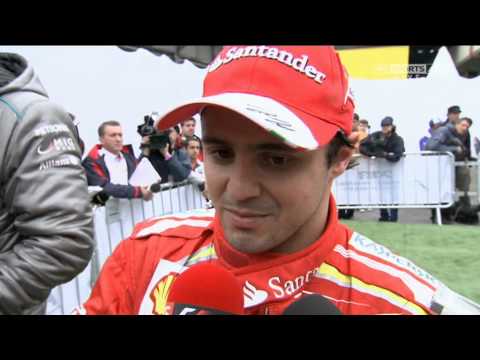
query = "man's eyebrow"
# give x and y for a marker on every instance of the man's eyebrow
(263, 147)
(274, 147)
(213, 141)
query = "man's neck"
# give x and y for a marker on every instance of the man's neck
(114, 153)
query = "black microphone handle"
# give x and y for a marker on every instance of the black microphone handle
(313, 304)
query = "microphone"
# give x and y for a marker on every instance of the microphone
(312, 305)
(205, 289)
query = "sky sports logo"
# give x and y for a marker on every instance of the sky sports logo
(402, 69)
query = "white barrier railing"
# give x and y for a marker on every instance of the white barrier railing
(474, 188)
(113, 223)
(417, 180)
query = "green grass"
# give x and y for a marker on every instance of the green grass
(450, 253)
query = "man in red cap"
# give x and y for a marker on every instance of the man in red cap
(276, 124)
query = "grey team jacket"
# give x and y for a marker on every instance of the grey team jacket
(46, 229)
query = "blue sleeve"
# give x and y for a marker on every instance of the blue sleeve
(179, 165)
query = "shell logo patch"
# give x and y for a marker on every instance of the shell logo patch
(159, 294)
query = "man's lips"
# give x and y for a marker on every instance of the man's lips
(245, 219)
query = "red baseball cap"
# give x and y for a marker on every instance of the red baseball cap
(298, 93)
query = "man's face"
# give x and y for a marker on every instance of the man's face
(112, 139)
(387, 129)
(188, 128)
(462, 127)
(173, 135)
(363, 127)
(193, 149)
(268, 196)
(453, 117)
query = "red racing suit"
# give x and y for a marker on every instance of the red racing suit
(356, 274)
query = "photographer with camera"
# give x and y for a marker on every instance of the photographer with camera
(110, 164)
(385, 144)
(171, 163)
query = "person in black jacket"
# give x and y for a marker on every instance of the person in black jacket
(110, 164)
(453, 138)
(385, 144)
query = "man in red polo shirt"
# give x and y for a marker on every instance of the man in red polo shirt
(276, 125)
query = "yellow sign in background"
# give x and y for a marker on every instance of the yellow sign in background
(377, 63)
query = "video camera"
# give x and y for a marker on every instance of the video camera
(157, 141)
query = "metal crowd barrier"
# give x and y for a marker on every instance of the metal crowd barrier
(418, 180)
(473, 191)
(113, 223)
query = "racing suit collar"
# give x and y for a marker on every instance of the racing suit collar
(236, 259)
(271, 277)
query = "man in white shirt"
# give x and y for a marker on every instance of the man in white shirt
(110, 164)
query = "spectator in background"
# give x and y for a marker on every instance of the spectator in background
(110, 164)
(465, 138)
(46, 229)
(385, 144)
(433, 124)
(363, 129)
(188, 127)
(194, 147)
(450, 138)
(197, 176)
(170, 162)
(356, 119)
(453, 115)
(186, 130)
(476, 145)
(347, 214)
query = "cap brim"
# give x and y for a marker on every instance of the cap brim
(294, 127)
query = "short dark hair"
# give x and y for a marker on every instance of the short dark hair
(101, 128)
(338, 141)
(356, 117)
(468, 120)
(189, 119)
(193, 138)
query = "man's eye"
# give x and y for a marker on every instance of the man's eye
(221, 154)
(278, 161)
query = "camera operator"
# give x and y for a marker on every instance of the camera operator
(172, 164)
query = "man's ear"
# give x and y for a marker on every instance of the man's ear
(340, 163)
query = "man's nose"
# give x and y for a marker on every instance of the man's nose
(243, 183)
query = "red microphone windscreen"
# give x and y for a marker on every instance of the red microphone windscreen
(208, 286)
